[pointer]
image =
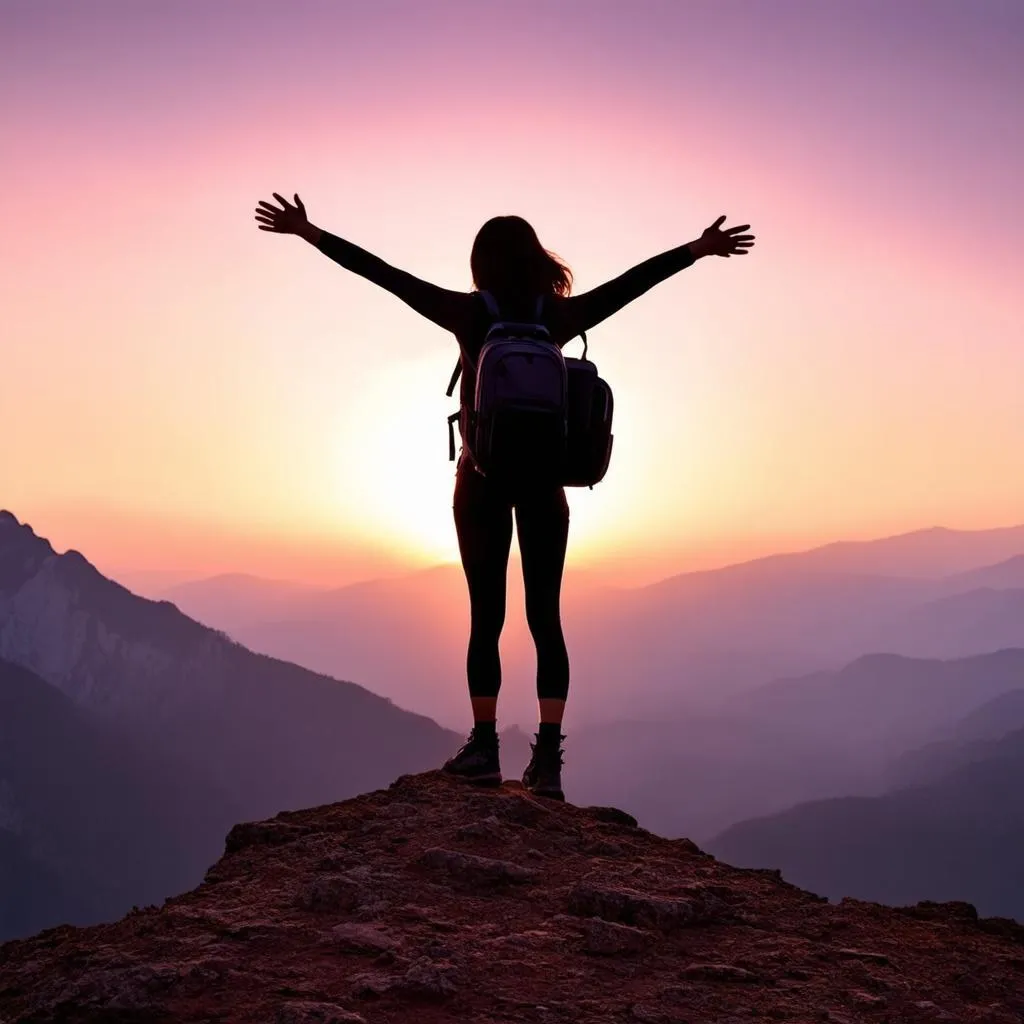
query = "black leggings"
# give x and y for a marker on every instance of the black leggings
(483, 521)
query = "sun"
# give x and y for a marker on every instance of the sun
(393, 479)
(393, 482)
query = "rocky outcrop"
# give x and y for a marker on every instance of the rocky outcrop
(432, 901)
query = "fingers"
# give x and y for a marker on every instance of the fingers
(719, 221)
(267, 219)
(281, 199)
(269, 207)
(298, 204)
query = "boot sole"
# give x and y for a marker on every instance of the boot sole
(489, 781)
(550, 794)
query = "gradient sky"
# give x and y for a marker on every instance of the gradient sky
(181, 391)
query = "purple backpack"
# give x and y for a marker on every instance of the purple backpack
(535, 417)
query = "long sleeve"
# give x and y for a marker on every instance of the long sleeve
(446, 308)
(585, 311)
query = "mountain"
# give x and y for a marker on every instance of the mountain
(828, 734)
(1005, 575)
(975, 620)
(253, 733)
(958, 837)
(886, 700)
(233, 599)
(969, 739)
(994, 719)
(430, 901)
(664, 650)
(90, 823)
(929, 553)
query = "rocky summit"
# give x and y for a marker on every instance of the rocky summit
(433, 901)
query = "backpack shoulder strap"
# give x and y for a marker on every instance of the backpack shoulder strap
(491, 303)
(456, 374)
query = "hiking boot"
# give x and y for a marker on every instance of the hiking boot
(543, 775)
(476, 761)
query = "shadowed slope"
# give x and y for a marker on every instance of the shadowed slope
(959, 836)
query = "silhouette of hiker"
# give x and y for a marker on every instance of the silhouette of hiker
(508, 261)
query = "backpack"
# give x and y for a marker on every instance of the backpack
(589, 439)
(535, 417)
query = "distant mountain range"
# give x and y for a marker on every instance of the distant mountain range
(131, 681)
(708, 699)
(828, 734)
(958, 835)
(683, 644)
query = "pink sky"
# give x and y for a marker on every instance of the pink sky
(180, 391)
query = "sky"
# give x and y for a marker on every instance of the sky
(183, 394)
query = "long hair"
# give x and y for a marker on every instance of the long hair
(508, 259)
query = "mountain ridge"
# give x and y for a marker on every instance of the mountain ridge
(259, 732)
(437, 902)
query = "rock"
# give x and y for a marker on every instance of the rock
(533, 939)
(612, 815)
(930, 1011)
(363, 938)
(397, 810)
(308, 1012)
(332, 894)
(606, 938)
(262, 833)
(863, 954)
(603, 848)
(866, 1000)
(371, 984)
(478, 870)
(952, 910)
(591, 939)
(648, 1014)
(522, 810)
(719, 972)
(428, 979)
(487, 828)
(124, 988)
(627, 906)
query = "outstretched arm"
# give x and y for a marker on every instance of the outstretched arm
(446, 308)
(585, 311)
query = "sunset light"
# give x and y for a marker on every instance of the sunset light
(859, 374)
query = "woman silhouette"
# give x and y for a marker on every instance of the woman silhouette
(509, 262)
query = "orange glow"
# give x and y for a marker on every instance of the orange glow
(234, 401)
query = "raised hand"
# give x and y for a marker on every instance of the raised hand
(715, 242)
(289, 220)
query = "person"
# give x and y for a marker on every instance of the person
(508, 260)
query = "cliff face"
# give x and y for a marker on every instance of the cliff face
(432, 901)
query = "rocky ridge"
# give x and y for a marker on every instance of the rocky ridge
(433, 901)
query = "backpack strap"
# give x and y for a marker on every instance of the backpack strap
(456, 374)
(452, 420)
(491, 303)
(492, 308)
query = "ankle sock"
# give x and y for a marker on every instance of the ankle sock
(486, 730)
(549, 732)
